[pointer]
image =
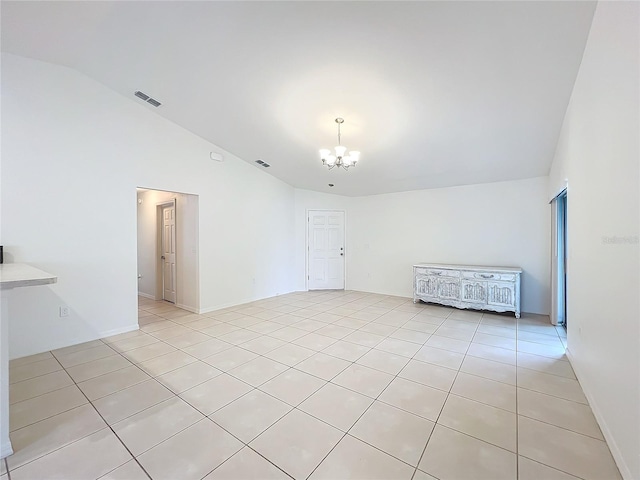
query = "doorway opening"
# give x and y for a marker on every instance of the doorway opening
(168, 248)
(559, 267)
(325, 250)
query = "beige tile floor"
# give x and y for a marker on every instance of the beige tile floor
(320, 385)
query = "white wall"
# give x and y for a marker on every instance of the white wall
(500, 224)
(598, 154)
(187, 288)
(73, 153)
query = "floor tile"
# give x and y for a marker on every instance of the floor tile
(23, 372)
(250, 415)
(564, 450)
(206, 349)
(385, 362)
(398, 347)
(292, 386)
(562, 387)
(127, 402)
(363, 380)
(187, 377)
(262, 345)
(188, 339)
(422, 327)
(290, 354)
(239, 336)
(247, 464)
(530, 470)
(166, 363)
(78, 460)
(495, 341)
(129, 471)
(148, 352)
(551, 351)
(378, 329)
(463, 334)
(315, 342)
(573, 416)
(191, 454)
(468, 315)
(44, 406)
(141, 340)
(415, 398)
(322, 405)
(88, 370)
(337, 332)
(288, 334)
(500, 372)
(394, 431)
(352, 458)
(410, 336)
(84, 356)
(496, 354)
(346, 351)
(258, 370)
(428, 374)
(437, 356)
(445, 343)
(452, 455)
(498, 331)
(420, 475)
(486, 391)
(323, 366)
(17, 362)
(39, 385)
(547, 365)
(491, 424)
(149, 427)
(297, 443)
(109, 383)
(363, 338)
(230, 358)
(215, 393)
(85, 345)
(46, 436)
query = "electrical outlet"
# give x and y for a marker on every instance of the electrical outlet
(64, 311)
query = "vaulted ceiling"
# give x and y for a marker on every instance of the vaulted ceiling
(433, 94)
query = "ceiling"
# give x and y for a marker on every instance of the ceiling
(433, 94)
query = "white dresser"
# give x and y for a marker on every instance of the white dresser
(468, 286)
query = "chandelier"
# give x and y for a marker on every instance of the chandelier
(341, 158)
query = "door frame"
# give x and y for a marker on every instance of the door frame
(559, 258)
(159, 266)
(307, 250)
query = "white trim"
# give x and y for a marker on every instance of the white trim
(242, 302)
(613, 446)
(6, 449)
(116, 331)
(306, 238)
(187, 307)
(146, 295)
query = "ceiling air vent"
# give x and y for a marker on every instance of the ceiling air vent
(263, 164)
(147, 98)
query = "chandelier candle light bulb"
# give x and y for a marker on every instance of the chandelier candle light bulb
(341, 158)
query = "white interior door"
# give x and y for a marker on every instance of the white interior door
(326, 250)
(169, 252)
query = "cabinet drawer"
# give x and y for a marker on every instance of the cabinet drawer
(505, 277)
(437, 272)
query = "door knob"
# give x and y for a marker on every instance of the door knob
(162, 257)
(342, 254)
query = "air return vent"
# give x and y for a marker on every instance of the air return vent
(147, 98)
(263, 164)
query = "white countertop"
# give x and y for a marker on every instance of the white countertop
(475, 268)
(14, 275)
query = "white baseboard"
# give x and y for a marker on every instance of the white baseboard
(187, 307)
(116, 331)
(597, 413)
(6, 449)
(146, 295)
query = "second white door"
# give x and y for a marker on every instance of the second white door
(169, 252)
(326, 250)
